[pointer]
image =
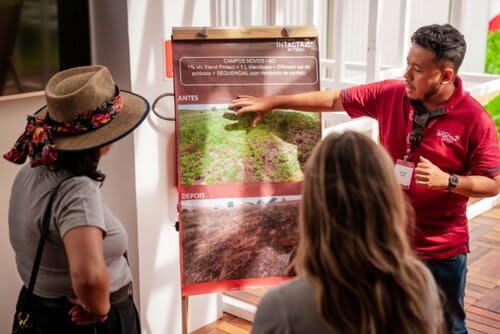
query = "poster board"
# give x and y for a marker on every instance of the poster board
(239, 186)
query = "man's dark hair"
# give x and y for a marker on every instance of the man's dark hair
(446, 42)
(80, 163)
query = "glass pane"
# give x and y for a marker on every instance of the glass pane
(37, 39)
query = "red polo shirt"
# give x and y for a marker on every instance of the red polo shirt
(463, 141)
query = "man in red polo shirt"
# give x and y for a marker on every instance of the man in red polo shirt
(444, 145)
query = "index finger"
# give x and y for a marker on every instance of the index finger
(256, 120)
(245, 110)
(244, 97)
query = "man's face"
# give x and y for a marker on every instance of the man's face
(423, 76)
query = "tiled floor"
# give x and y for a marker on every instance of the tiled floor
(482, 294)
(482, 291)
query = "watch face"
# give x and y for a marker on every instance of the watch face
(453, 181)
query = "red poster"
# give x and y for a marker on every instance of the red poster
(239, 186)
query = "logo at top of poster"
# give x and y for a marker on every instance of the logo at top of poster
(294, 45)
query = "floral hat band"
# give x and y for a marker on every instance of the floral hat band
(37, 141)
(85, 110)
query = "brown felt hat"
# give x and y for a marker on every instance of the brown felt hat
(80, 89)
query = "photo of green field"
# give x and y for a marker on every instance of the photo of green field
(238, 241)
(217, 147)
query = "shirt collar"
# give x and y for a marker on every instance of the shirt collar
(458, 95)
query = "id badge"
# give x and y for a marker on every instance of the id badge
(404, 172)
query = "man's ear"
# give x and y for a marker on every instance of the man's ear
(448, 75)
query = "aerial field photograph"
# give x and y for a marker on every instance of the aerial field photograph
(236, 239)
(218, 147)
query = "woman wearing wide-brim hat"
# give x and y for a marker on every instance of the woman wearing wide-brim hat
(83, 283)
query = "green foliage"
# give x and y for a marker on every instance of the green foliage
(493, 107)
(493, 53)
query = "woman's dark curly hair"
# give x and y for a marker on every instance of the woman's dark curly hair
(446, 42)
(80, 163)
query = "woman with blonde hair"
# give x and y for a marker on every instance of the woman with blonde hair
(356, 270)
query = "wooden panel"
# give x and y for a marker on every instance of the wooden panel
(227, 324)
(482, 328)
(483, 320)
(203, 33)
(250, 296)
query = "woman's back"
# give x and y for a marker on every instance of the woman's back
(78, 203)
(290, 308)
(353, 249)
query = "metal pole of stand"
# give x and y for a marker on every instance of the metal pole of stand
(185, 307)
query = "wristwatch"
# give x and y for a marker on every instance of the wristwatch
(452, 182)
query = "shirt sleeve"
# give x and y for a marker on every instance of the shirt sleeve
(367, 99)
(78, 203)
(270, 317)
(485, 153)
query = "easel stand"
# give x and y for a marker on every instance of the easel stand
(185, 308)
(197, 34)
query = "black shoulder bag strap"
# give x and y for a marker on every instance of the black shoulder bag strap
(23, 315)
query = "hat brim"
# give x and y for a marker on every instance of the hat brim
(135, 110)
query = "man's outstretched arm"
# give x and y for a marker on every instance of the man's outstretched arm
(311, 101)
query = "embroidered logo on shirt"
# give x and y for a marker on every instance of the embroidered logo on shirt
(447, 137)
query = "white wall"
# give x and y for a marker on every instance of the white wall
(12, 121)
(494, 8)
(111, 35)
(473, 19)
(128, 38)
(149, 23)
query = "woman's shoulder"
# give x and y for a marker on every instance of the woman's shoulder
(78, 182)
(77, 190)
(278, 310)
(295, 284)
(289, 307)
(42, 180)
(45, 177)
(297, 290)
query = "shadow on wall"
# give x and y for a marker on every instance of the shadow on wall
(155, 157)
(12, 121)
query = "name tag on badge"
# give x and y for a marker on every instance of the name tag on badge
(404, 172)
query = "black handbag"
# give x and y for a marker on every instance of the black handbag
(23, 322)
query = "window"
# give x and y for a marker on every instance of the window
(38, 38)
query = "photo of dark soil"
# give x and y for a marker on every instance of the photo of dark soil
(238, 241)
